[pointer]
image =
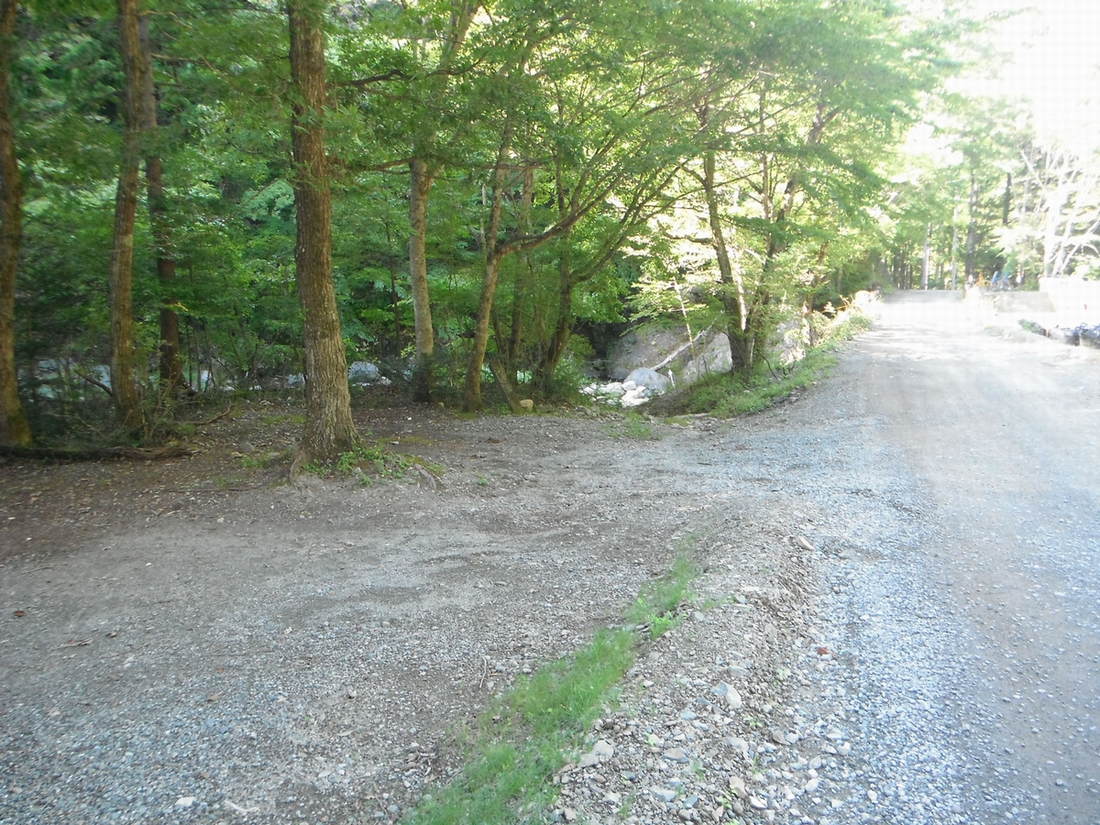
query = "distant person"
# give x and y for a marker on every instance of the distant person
(996, 282)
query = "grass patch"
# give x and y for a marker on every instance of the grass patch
(634, 426)
(520, 742)
(366, 463)
(727, 396)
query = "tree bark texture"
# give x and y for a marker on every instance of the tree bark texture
(124, 386)
(171, 362)
(420, 188)
(14, 428)
(329, 429)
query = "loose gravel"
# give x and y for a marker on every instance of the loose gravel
(175, 650)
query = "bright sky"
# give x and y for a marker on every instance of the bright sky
(1055, 46)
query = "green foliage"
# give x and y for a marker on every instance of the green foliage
(596, 117)
(519, 742)
(366, 463)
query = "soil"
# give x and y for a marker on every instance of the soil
(204, 640)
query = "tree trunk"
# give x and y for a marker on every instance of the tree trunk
(171, 362)
(14, 429)
(732, 287)
(971, 261)
(563, 326)
(124, 386)
(329, 429)
(419, 189)
(471, 393)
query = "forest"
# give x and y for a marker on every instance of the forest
(202, 197)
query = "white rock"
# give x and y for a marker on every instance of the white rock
(185, 802)
(728, 694)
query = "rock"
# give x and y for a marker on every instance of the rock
(728, 694)
(664, 794)
(185, 802)
(758, 803)
(612, 798)
(738, 744)
(844, 748)
(635, 397)
(676, 755)
(601, 752)
(737, 787)
(527, 404)
(362, 372)
(813, 784)
(650, 379)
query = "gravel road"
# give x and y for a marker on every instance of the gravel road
(965, 605)
(897, 622)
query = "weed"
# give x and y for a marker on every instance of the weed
(634, 426)
(520, 740)
(656, 606)
(367, 462)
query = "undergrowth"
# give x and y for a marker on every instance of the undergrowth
(368, 462)
(521, 741)
(728, 395)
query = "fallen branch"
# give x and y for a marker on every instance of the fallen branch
(217, 417)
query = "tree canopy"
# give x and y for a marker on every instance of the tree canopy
(456, 189)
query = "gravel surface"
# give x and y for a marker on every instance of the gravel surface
(897, 621)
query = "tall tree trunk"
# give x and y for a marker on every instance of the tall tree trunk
(563, 325)
(14, 429)
(171, 362)
(123, 350)
(971, 261)
(420, 187)
(471, 392)
(732, 286)
(423, 174)
(329, 429)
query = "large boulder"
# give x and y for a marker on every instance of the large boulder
(645, 377)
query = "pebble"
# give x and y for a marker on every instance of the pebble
(664, 794)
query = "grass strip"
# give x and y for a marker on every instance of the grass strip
(520, 742)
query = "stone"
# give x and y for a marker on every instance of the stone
(728, 694)
(676, 755)
(362, 372)
(664, 794)
(601, 752)
(650, 379)
(527, 404)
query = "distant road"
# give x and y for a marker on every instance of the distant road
(998, 597)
